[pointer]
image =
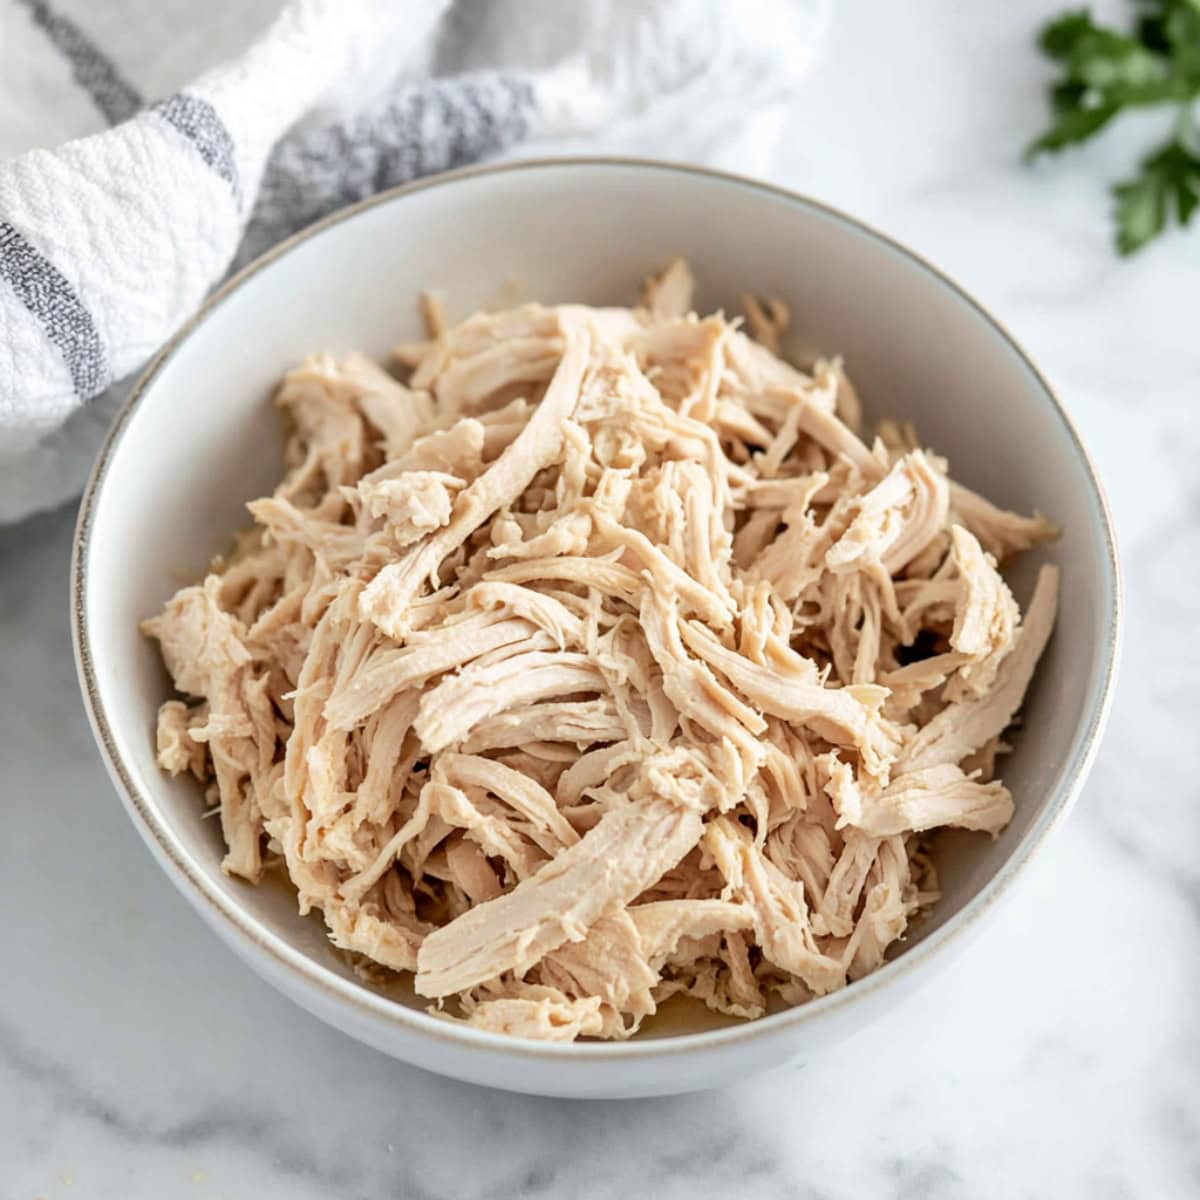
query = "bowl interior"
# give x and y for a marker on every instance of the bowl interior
(202, 438)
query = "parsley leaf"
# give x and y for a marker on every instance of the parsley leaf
(1073, 123)
(1167, 179)
(1103, 72)
(1181, 27)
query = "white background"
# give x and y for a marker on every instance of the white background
(1060, 1055)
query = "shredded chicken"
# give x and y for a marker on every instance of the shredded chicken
(602, 661)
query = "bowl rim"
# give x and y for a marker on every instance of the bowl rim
(253, 939)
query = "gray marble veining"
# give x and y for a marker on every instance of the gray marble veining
(1059, 1055)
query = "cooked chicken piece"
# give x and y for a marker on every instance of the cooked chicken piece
(896, 520)
(693, 688)
(479, 333)
(666, 574)
(495, 834)
(594, 768)
(848, 406)
(803, 851)
(985, 617)
(205, 653)
(455, 706)
(780, 911)
(909, 683)
(537, 608)
(467, 381)
(1002, 534)
(548, 828)
(329, 438)
(471, 871)
(835, 911)
(336, 545)
(757, 377)
(744, 996)
(621, 958)
(818, 422)
(395, 586)
(937, 796)
(388, 765)
(457, 451)
(604, 661)
(847, 716)
(412, 505)
(962, 728)
(630, 848)
(885, 910)
(668, 296)
(610, 963)
(767, 319)
(918, 800)
(433, 313)
(581, 722)
(363, 929)
(399, 413)
(386, 673)
(178, 750)
(982, 764)
(547, 1016)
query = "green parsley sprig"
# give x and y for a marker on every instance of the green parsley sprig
(1105, 72)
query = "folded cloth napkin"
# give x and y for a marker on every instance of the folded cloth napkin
(134, 175)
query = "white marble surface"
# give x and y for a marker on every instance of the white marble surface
(1060, 1055)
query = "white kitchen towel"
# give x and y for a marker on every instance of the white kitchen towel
(134, 174)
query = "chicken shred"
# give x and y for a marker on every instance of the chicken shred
(601, 661)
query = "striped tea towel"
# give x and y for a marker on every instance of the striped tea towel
(134, 174)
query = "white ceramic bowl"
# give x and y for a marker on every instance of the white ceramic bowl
(198, 439)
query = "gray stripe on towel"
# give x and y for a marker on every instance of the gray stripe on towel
(47, 294)
(416, 131)
(93, 70)
(198, 121)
